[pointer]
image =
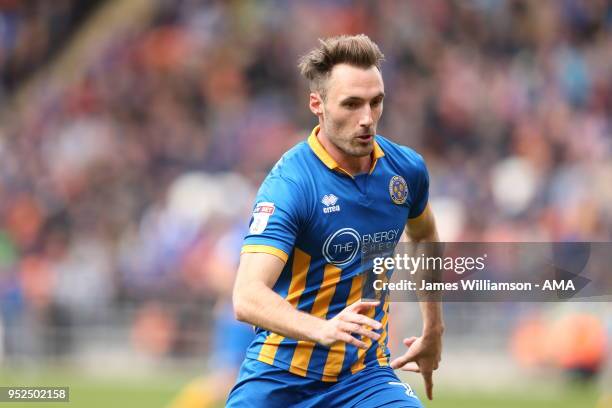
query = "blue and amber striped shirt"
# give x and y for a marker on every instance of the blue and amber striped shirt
(321, 220)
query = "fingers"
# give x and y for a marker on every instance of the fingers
(355, 328)
(427, 376)
(351, 321)
(415, 362)
(402, 360)
(409, 356)
(361, 306)
(367, 333)
(360, 319)
(347, 338)
(408, 342)
(412, 367)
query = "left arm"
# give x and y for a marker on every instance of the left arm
(424, 353)
(422, 229)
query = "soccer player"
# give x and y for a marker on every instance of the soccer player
(327, 201)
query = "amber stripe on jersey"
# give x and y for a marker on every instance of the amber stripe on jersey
(336, 355)
(299, 270)
(359, 364)
(303, 349)
(380, 351)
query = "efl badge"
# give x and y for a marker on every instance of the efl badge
(398, 189)
(261, 215)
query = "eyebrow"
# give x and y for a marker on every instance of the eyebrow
(358, 99)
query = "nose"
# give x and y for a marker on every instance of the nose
(366, 119)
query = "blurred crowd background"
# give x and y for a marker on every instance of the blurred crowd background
(126, 186)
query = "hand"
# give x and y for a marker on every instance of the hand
(348, 321)
(423, 356)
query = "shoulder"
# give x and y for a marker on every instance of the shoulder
(291, 170)
(287, 185)
(403, 156)
(293, 165)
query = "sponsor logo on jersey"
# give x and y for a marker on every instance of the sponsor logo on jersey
(341, 247)
(329, 201)
(398, 189)
(261, 215)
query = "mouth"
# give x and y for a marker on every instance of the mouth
(366, 137)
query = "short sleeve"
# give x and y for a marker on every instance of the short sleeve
(420, 188)
(276, 218)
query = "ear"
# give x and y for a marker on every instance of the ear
(316, 103)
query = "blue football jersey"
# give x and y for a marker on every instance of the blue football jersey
(321, 221)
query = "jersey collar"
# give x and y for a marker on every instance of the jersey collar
(329, 161)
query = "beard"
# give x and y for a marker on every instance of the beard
(357, 148)
(347, 140)
(352, 145)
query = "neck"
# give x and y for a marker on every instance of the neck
(352, 164)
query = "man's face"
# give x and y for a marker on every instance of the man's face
(352, 108)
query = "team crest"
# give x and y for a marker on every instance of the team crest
(398, 189)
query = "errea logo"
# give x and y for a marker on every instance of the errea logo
(329, 201)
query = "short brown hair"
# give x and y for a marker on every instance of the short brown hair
(357, 50)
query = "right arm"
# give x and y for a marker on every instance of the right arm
(256, 303)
